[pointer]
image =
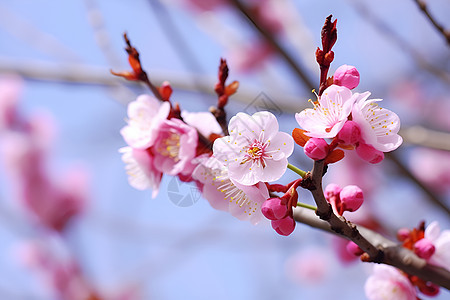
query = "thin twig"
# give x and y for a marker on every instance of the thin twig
(423, 7)
(397, 40)
(407, 173)
(270, 38)
(393, 253)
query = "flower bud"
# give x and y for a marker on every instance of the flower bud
(316, 148)
(369, 153)
(350, 134)
(351, 197)
(347, 76)
(403, 234)
(424, 248)
(274, 209)
(284, 226)
(332, 190)
(354, 249)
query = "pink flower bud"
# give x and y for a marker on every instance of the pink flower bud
(347, 76)
(284, 226)
(274, 209)
(316, 148)
(354, 249)
(350, 134)
(351, 197)
(332, 190)
(369, 153)
(403, 234)
(424, 248)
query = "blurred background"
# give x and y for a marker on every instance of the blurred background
(69, 221)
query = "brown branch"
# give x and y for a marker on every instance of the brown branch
(270, 38)
(338, 224)
(403, 45)
(392, 253)
(423, 7)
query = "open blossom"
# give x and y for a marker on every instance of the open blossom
(388, 283)
(141, 171)
(242, 201)
(441, 243)
(255, 150)
(175, 147)
(145, 116)
(328, 116)
(204, 122)
(379, 126)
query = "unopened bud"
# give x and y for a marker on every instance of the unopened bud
(316, 148)
(347, 76)
(354, 249)
(424, 248)
(284, 226)
(350, 134)
(274, 209)
(352, 197)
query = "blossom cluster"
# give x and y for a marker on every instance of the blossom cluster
(352, 119)
(235, 171)
(387, 282)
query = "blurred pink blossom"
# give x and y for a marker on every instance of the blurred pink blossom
(142, 174)
(146, 114)
(10, 92)
(431, 167)
(441, 242)
(311, 265)
(175, 147)
(388, 283)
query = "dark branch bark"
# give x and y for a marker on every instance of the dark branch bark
(392, 253)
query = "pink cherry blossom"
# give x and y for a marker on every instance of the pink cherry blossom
(204, 122)
(146, 114)
(242, 201)
(10, 87)
(379, 126)
(175, 147)
(441, 242)
(328, 116)
(141, 171)
(255, 150)
(388, 283)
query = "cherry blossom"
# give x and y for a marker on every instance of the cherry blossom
(441, 242)
(388, 283)
(255, 150)
(146, 115)
(379, 126)
(175, 147)
(141, 171)
(329, 114)
(242, 201)
(203, 121)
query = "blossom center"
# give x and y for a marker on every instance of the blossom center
(255, 153)
(170, 146)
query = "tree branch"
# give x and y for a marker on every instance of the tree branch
(392, 253)
(423, 7)
(270, 38)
